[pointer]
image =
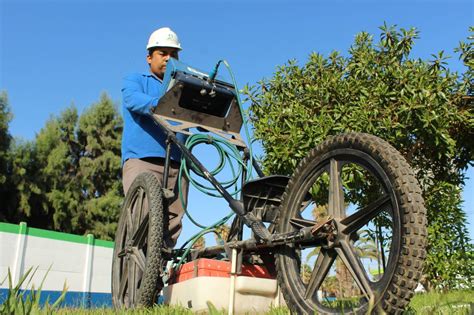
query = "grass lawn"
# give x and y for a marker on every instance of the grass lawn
(454, 302)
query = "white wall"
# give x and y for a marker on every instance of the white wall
(71, 259)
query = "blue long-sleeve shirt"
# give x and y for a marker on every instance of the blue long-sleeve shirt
(141, 136)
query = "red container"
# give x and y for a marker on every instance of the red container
(204, 267)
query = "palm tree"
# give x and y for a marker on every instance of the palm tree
(221, 234)
(200, 243)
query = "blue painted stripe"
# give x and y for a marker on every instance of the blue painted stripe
(72, 299)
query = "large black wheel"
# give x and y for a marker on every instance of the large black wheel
(368, 230)
(137, 259)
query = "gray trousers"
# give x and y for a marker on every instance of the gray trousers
(133, 167)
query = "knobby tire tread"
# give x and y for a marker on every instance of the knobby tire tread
(413, 218)
(151, 276)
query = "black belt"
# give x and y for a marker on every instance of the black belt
(160, 161)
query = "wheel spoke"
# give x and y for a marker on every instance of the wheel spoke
(139, 258)
(336, 194)
(380, 242)
(360, 218)
(139, 209)
(129, 223)
(122, 253)
(140, 234)
(131, 282)
(123, 281)
(321, 268)
(355, 267)
(302, 223)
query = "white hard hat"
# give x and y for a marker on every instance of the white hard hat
(163, 37)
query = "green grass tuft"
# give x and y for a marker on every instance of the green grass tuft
(27, 301)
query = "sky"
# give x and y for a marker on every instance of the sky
(60, 52)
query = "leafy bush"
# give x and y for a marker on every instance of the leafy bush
(421, 107)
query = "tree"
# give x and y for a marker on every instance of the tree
(58, 155)
(17, 170)
(69, 178)
(221, 234)
(421, 107)
(5, 138)
(200, 243)
(24, 200)
(99, 136)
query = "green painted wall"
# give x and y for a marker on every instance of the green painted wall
(22, 228)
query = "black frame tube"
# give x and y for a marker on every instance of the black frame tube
(257, 167)
(167, 163)
(246, 155)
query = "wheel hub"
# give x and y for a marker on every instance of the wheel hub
(329, 230)
(128, 250)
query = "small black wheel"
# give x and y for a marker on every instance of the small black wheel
(137, 260)
(368, 229)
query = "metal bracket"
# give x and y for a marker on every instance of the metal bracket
(229, 249)
(168, 194)
(183, 126)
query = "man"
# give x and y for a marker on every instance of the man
(143, 142)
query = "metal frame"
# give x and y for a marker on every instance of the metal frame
(173, 116)
(264, 239)
(236, 205)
